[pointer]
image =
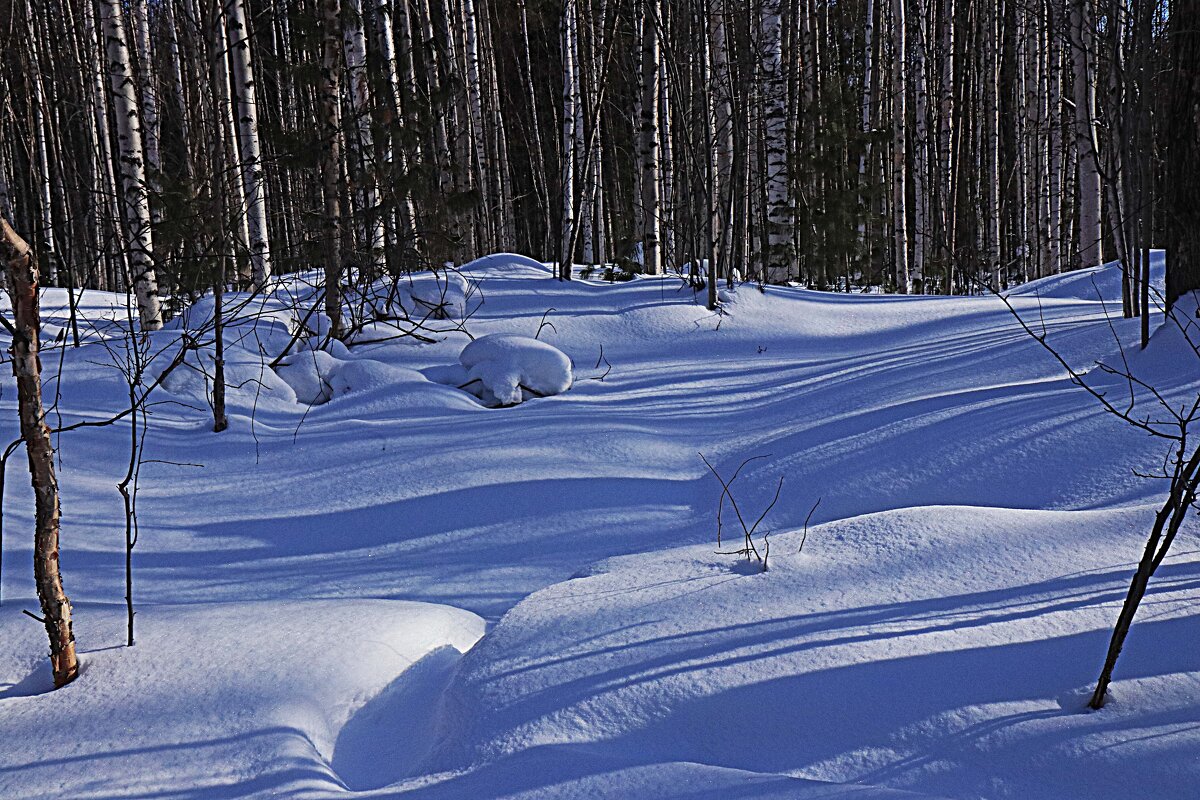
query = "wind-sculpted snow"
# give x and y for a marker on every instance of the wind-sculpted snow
(308, 579)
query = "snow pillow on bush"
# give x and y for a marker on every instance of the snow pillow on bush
(504, 369)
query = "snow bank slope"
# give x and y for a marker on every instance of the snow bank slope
(947, 650)
(230, 700)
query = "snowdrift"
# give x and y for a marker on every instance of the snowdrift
(309, 580)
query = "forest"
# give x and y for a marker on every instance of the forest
(920, 145)
(600, 398)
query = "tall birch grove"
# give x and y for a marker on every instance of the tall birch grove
(933, 146)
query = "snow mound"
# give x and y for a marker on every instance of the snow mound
(283, 695)
(503, 369)
(319, 376)
(507, 263)
(443, 295)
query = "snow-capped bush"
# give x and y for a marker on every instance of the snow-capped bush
(504, 369)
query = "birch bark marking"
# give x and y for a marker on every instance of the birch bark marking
(245, 98)
(359, 137)
(22, 273)
(330, 94)
(141, 19)
(570, 101)
(864, 152)
(648, 140)
(1055, 156)
(1084, 90)
(723, 130)
(133, 168)
(774, 88)
(395, 154)
(899, 147)
(991, 104)
(920, 171)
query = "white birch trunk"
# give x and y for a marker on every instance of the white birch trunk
(991, 104)
(569, 156)
(947, 154)
(150, 127)
(774, 88)
(666, 171)
(331, 158)
(394, 155)
(1055, 144)
(227, 126)
(1084, 92)
(920, 172)
(478, 133)
(250, 149)
(359, 139)
(723, 134)
(133, 169)
(899, 147)
(864, 153)
(648, 141)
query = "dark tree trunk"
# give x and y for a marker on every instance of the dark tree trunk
(1181, 137)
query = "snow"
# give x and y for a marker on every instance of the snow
(372, 586)
(503, 369)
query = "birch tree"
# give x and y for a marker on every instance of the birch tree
(1089, 246)
(133, 169)
(250, 152)
(779, 211)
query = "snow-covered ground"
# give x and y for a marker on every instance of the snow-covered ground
(372, 585)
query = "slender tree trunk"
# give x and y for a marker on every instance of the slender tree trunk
(330, 109)
(780, 215)
(22, 275)
(865, 104)
(900, 147)
(920, 159)
(991, 105)
(396, 161)
(1084, 87)
(1054, 119)
(570, 119)
(648, 151)
(133, 170)
(245, 95)
(150, 125)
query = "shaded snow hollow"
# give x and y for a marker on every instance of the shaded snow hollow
(314, 584)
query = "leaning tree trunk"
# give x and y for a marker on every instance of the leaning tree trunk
(22, 273)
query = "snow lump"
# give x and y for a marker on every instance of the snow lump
(503, 369)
